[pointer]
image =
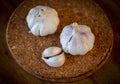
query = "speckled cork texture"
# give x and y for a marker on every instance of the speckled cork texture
(26, 48)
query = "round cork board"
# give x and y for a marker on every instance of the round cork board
(26, 48)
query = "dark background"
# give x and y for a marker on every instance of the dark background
(11, 73)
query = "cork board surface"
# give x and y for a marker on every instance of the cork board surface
(26, 49)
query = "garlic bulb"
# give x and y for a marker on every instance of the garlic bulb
(42, 20)
(53, 56)
(77, 39)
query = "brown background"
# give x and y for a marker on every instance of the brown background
(12, 73)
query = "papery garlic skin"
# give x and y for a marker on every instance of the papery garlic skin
(77, 39)
(53, 56)
(42, 20)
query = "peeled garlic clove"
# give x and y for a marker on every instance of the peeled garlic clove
(77, 39)
(53, 56)
(42, 20)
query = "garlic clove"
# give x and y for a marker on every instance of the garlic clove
(55, 61)
(77, 39)
(42, 20)
(35, 29)
(65, 37)
(51, 51)
(53, 56)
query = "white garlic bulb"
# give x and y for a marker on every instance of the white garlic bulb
(77, 39)
(53, 56)
(42, 20)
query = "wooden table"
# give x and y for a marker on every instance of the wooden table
(12, 73)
